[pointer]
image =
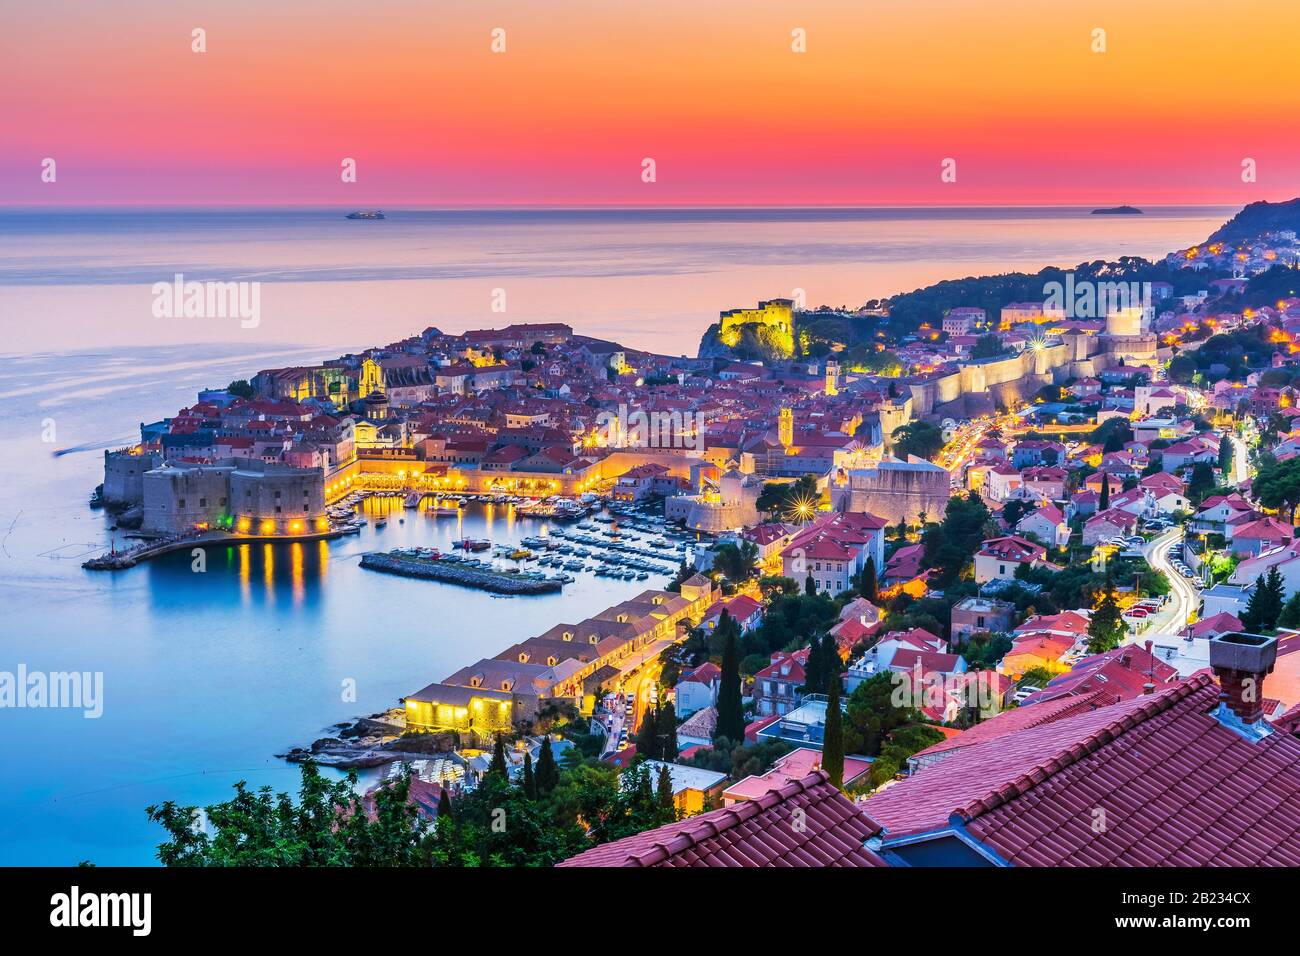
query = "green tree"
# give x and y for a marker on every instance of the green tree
(1290, 616)
(647, 735)
(868, 586)
(737, 563)
(498, 764)
(664, 791)
(987, 346)
(833, 738)
(241, 388)
(1106, 626)
(548, 774)
(446, 812)
(1226, 455)
(1266, 603)
(950, 545)
(1104, 501)
(530, 782)
(1201, 482)
(666, 731)
(918, 438)
(731, 712)
(810, 586)
(326, 826)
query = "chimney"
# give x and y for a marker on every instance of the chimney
(1241, 662)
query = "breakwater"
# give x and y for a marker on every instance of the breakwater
(485, 580)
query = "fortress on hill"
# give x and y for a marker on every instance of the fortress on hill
(775, 317)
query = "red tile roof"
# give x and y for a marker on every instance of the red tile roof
(1018, 719)
(754, 833)
(1177, 787)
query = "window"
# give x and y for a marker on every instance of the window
(203, 502)
(181, 503)
(277, 494)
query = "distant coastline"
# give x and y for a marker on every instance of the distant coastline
(1118, 211)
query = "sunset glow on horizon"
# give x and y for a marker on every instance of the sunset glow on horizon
(584, 92)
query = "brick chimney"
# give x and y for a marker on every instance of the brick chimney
(1241, 662)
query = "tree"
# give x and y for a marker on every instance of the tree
(498, 764)
(1106, 626)
(445, 809)
(810, 586)
(917, 438)
(949, 546)
(647, 739)
(326, 826)
(530, 782)
(1201, 482)
(241, 388)
(666, 731)
(1265, 605)
(737, 563)
(1226, 456)
(867, 585)
(548, 774)
(1104, 502)
(664, 791)
(1290, 616)
(731, 713)
(833, 734)
(987, 346)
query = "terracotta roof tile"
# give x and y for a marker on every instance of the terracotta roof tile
(754, 833)
(1177, 787)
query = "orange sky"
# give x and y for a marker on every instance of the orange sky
(711, 91)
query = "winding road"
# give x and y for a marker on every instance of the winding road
(1184, 596)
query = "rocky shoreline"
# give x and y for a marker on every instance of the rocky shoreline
(371, 742)
(453, 574)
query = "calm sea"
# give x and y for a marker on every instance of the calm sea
(206, 676)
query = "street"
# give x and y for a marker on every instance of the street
(1184, 596)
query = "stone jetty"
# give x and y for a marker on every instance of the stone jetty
(450, 573)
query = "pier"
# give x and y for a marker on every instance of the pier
(498, 582)
(130, 557)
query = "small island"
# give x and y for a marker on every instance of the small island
(367, 214)
(1118, 211)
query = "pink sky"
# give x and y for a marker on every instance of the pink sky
(712, 92)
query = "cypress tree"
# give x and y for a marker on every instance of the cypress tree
(731, 712)
(445, 809)
(833, 739)
(1252, 617)
(1276, 595)
(548, 774)
(664, 792)
(498, 764)
(666, 732)
(647, 735)
(530, 782)
(1104, 503)
(810, 586)
(869, 586)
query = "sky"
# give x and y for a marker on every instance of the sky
(586, 90)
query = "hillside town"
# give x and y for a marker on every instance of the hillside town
(917, 592)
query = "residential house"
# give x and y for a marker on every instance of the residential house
(999, 558)
(1046, 525)
(697, 689)
(977, 615)
(777, 687)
